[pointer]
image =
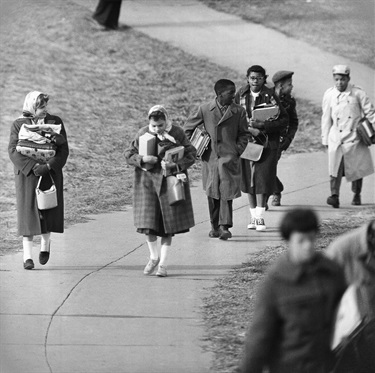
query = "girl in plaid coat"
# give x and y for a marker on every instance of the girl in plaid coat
(153, 215)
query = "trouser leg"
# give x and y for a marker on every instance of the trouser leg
(214, 210)
(336, 181)
(226, 213)
(357, 186)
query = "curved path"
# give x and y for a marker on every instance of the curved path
(92, 310)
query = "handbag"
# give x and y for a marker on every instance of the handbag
(46, 199)
(366, 132)
(253, 151)
(200, 140)
(176, 189)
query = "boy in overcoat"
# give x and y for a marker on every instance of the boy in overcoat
(226, 124)
(295, 306)
(344, 105)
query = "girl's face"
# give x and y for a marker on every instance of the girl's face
(301, 246)
(158, 126)
(256, 81)
(41, 112)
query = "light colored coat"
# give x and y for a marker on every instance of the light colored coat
(221, 166)
(342, 112)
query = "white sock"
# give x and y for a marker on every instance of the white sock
(45, 242)
(252, 212)
(164, 254)
(153, 247)
(27, 249)
(260, 212)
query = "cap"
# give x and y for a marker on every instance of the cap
(341, 69)
(283, 74)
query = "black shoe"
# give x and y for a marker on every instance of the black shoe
(276, 200)
(214, 233)
(43, 257)
(29, 264)
(224, 233)
(334, 201)
(357, 200)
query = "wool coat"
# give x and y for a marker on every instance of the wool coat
(293, 316)
(31, 221)
(150, 197)
(260, 177)
(342, 112)
(221, 168)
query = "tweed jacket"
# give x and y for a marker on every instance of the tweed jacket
(342, 112)
(221, 169)
(29, 222)
(293, 315)
(150, 189)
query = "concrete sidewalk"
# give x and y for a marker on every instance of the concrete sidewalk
(91, 309)
(228, 40)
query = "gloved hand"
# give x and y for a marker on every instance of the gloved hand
(41, 170)
(285, 144)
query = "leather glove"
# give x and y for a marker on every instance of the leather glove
(41, 170)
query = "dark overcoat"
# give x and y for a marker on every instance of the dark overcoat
(293, 316)
(29, 221)
(221, 169)
(260, 177)
(150, 198)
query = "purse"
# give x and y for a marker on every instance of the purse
(46, 199)
(253, 151)
(175, 190)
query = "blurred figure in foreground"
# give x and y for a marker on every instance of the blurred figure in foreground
(295, 306)
(355, 253)
(107, 13)
(344, 105)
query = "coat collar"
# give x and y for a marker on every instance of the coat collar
(217, 113)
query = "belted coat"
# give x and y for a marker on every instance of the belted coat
(342, 112)
(29, 222)
(221, 168)
(150, 197)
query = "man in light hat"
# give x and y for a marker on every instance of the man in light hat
(283, 89)
(344, 105)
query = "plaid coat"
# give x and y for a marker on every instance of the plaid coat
(150, 199)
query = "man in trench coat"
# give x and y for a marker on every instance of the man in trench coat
(344, 105)
(226, 124)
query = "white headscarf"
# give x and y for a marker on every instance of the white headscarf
(29, 103)
(168, 122)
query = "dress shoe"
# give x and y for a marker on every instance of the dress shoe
(224, 233)
(214, 233)
(43, 257)
(276, 200)
(357, 200)
(333, 201)
(29, 264)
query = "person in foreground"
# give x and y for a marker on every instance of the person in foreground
(354, 251)
(295, 306)
(344, 105)
(226, 124)
(153, 214)
(27, 170)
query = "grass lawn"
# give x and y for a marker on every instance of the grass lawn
(343, 27)
(102, 85)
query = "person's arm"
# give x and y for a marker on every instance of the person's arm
(21, 162)
(366, 106)
(326, 121)
(194, 120)
(243, 133)
(57, 162)
(292, 126)
(263, 332)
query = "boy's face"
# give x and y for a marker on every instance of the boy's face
(341, 82)
(301, 246)
(287, 87)
(226, 97)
